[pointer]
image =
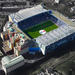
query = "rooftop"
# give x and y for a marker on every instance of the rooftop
(6, 47)
(55, 35)
(26, 13)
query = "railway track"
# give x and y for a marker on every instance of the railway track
(62, 61)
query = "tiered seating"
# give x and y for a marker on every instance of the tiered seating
(37, 19)
(53, 19)
(60, 23)
(56, 21)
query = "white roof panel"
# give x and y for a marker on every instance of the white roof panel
(55, 35)
(26, 13)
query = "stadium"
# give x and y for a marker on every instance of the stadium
(40, 24)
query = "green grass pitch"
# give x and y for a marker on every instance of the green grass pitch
(34, 31)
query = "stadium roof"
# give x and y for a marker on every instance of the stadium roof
(55, 35)
(26, 13)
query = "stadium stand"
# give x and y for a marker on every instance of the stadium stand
(53, 19)
(55, 38)
(25, 24)
(60, 23)
(56, 21)
(37, 19)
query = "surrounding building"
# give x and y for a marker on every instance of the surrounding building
(73, 9)
(9, 64)
(57, 1)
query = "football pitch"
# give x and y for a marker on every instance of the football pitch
(33, 32)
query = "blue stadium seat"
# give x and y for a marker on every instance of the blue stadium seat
(60, 23)
(53, 19)
(50, 12)
(37, 19)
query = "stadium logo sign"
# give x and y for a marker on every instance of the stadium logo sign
(42, 31)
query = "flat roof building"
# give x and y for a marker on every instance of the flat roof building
(9, 64)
